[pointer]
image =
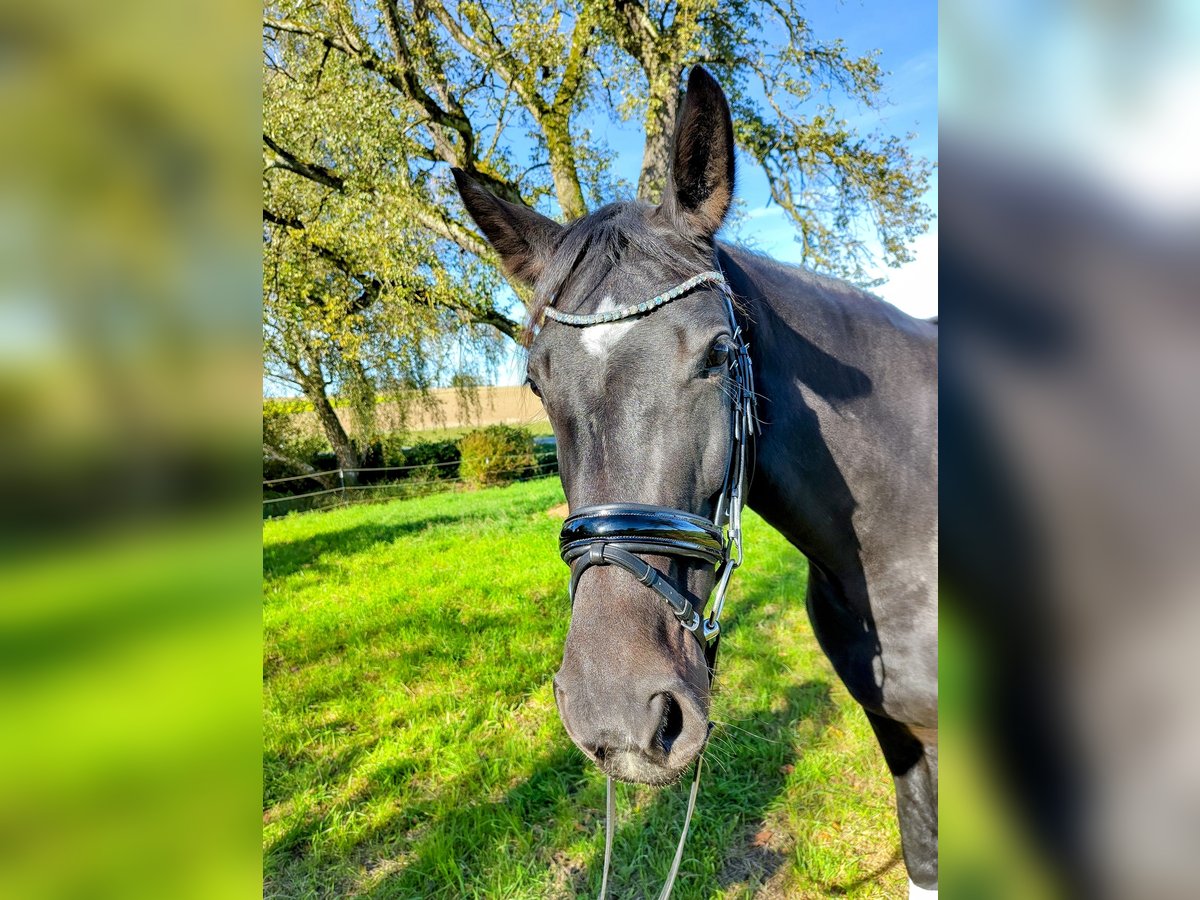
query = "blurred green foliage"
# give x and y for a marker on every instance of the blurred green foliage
(128, 679)
(130, 373)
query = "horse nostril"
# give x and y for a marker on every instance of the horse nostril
(671, 725)
(601, 752)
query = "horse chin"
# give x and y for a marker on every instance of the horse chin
(632, 767)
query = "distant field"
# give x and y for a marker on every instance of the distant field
(413, 749)
(497, 405)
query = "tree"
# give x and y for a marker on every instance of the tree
(823, 174)
(376, 282)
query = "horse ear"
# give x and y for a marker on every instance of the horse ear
(524, 239)
(700, 186)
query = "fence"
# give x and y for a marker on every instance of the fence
(335, 490)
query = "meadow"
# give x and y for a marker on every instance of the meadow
(412, 747)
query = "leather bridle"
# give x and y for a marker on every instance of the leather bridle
(618, 534)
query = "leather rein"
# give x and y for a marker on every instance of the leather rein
(618, 534)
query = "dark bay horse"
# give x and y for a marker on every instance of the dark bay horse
(845, 465)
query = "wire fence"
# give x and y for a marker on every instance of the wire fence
(340, 490)
(332, 473)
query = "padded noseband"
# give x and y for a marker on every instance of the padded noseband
(612, 533)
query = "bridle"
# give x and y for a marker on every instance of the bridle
(615, 534)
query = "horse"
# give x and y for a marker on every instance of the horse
(644, 316)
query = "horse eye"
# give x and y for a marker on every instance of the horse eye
(718, 354)
(532, 385)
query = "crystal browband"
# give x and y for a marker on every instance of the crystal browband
(637, 309)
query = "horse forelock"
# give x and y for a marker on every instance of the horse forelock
(595, 244)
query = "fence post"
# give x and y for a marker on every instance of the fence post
(342, 483)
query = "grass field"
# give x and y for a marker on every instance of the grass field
(413, 749)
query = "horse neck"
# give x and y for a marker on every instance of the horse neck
(823, 353)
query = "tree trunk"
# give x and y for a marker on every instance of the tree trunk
(660, 129)
(556, 127)
(335, 432)
(299, 466)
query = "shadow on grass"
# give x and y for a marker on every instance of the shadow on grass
(434, 846)
(839, 890)
(767, 748)
(515, 843)
(459, 838)
(289, 557)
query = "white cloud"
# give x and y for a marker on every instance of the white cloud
(914, 286)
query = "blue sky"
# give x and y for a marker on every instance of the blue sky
(906, 36)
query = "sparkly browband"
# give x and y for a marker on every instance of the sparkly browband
(636, 309)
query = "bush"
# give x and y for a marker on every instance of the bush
(497, 454)
(391, 450)
(545, 455)
(431, 453)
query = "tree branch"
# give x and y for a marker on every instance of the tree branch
(400, 76)
(447, 228)
(311, 171)
(453, 117)
(435, 221)
(493, 54)
(572, 79)
(499, 321)
(373, 287)
(640, 36)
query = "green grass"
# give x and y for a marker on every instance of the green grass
(413, 749)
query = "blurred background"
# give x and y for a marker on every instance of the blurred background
(131, 384)
(1070, 298)
(129, 397)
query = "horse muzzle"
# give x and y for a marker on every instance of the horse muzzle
(648, 732)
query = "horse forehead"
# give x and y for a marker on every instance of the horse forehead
(639, 346)
(599, 340)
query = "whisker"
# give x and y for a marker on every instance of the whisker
(721, 751)
(744, 731)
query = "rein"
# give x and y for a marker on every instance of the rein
(616, 534)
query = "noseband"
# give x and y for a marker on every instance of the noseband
(612, 535)
(618, 534)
